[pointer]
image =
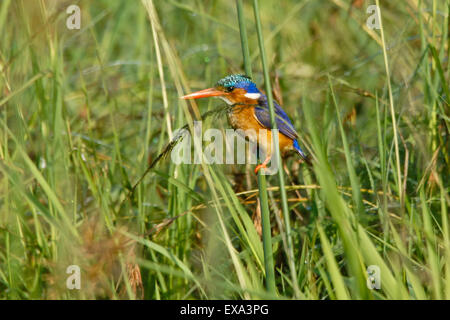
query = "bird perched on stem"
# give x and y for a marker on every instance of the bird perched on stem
(250, 110)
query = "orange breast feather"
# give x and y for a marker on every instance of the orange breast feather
(243, 117)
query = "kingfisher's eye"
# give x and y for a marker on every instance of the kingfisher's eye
(229, 89)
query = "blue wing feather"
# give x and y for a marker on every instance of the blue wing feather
(284, 124)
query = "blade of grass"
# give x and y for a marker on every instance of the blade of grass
(392, 109)
(354, 181)
(335, 274)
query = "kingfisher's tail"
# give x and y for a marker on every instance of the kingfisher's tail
(299, 150)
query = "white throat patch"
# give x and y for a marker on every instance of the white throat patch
(252, 95)
(226, 100)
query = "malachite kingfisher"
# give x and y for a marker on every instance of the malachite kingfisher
(250, 111)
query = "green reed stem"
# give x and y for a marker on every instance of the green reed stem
(266, 233)
(284, 205)
(244, 39)
(391, 105)
(265, 213)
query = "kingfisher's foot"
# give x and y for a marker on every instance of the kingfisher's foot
(260, 166)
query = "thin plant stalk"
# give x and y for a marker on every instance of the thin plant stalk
(391, 105)
(244, 39)
(247, 67)
(284, 205)
(265, 213)
(266, 234)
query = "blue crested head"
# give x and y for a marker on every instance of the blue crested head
(238, 81)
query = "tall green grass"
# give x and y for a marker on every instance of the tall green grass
(83, 113)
